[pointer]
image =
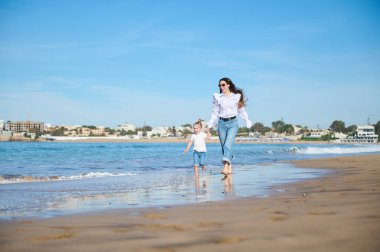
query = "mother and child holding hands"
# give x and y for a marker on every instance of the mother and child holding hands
(226, 105)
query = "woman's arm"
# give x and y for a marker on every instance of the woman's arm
(243, 114)
(214, 112)
(208, 134)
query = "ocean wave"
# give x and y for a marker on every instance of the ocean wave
(11, 179)
(327, 150)
(339, 150)
(283, 150)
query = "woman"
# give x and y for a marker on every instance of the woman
(226, 106)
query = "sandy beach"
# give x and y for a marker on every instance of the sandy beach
(338, 212)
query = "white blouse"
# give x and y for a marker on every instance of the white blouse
(223, 106)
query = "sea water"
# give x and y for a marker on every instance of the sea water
(52, 178)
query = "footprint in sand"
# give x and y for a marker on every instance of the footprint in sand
(163, 227)
(207, 224)
(67, 234)
(279, 216)
(153, 216)
(154, 227)
(122, 229)
(228, 240)
(161, 250)
(321, 213)
(372, 216)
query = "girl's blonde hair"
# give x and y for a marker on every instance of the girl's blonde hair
(199, 122)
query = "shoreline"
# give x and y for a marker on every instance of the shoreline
(176, 140)
(336, 212)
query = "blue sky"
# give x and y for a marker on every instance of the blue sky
(159, 62)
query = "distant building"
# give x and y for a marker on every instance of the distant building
(126, 127)
(273, 135)
(161, 131)
(4, 134)
(316, 133)
(82, 131)
(339, 135)
(297, 129)
(98, 132)
(23, 126)
(363, 134)
(367, 132)
(149, 134)
(47, 126)
(71, 127)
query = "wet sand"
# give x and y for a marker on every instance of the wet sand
(338, 212)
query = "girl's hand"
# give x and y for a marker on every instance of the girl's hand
(185, 151)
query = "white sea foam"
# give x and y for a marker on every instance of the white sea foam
(339, 150)
(282, 150)
(28, 179)
(67, 138)
(97, 175)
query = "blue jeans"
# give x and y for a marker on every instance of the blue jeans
(227, 131)
(199, 158)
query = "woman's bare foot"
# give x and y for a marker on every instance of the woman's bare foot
(225, 169)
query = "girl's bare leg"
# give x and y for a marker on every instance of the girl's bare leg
(195, 171)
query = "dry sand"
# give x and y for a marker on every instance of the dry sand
(338, 212)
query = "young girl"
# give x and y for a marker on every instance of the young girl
(199, 154)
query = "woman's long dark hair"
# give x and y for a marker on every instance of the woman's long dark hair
(235, 90)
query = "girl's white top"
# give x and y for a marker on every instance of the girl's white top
(223, 106)
(199, 141)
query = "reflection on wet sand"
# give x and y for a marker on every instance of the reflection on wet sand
(200, 190)
(228, 189)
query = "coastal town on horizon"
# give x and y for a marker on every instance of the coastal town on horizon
(278, 132)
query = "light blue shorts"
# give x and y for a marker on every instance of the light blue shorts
(199, 158)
